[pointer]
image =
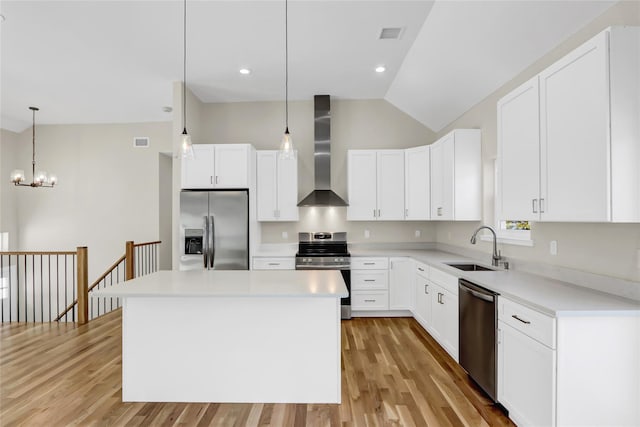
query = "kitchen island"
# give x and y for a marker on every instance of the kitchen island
(231, 336)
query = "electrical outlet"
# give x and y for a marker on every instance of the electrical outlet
(285, 235)
(418, 233)
(367, 234)
(553, 247)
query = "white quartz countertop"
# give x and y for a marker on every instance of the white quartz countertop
(549, 296)
(270, 283)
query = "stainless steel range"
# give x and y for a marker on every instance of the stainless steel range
(326, 251)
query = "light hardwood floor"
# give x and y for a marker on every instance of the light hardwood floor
(394, 373)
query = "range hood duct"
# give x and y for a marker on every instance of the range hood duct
(322, 195)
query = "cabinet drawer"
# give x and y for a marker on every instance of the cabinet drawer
(532, 323)
(370, 300)
(279, 263)
(358, 263)
(422, 270)
(370, 279)
(446, 280)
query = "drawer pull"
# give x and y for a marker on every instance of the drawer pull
(369, 300)
(425, 289)
(369, 263)
(519, 319)
(420, 269)
(369, 280)
(274, 263)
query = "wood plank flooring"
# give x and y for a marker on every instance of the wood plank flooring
(394, 374)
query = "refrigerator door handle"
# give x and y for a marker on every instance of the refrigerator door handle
(205, 242)
(212, 250)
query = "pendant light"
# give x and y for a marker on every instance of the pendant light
(40, 178)
(186, 146)
(286, 145)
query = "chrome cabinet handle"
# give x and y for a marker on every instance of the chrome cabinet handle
(274, 263)
(374, 213)
(216, 179)
(420, 269)
(369, 300)
(526, 322)
(541, 205)
(425, 289)
(369, 280)
(439, 211)
(211, 180)
(534, 205)
(378, 213)
(369, 263)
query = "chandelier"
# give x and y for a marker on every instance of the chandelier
(40, 178)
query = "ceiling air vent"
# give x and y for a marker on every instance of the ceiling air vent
(390, 33)
(141, 142)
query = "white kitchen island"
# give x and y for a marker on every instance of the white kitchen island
(231, 336)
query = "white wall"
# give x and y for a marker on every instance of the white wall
(107, 192)
(608, 249)
(354, 124)
(8, 205)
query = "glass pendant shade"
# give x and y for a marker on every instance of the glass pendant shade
(186, 147)
(17, 176)
(286, 146)
(40, 178)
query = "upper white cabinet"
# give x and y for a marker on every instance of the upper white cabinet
(217, 166)
(456, 176)
(417, 183)
(376, 185)
(586, 149)
(277, 187)
(519, 152)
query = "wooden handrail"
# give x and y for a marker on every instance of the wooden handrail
(157, 242)
(38, 253)
(106, 273)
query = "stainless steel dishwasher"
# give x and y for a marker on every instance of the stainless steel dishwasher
(478, 315)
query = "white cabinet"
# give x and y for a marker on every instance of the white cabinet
(274, 263)
(588, 138)
(526, 364)
(369, 284)
(217, 166)
(277, 186)
(401, 283)
(376, 185)
(444, 319)
(417, 199)
(456, 176)
(422, 296)
(519, 153)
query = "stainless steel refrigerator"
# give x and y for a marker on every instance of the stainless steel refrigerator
(214, 230)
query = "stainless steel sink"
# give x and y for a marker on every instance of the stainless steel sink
(470, 267)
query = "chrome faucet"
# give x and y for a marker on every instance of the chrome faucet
(495, 261)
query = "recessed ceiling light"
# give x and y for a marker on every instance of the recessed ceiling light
(380, 69)
(245, 71)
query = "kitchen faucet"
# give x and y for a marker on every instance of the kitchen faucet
(496, 255)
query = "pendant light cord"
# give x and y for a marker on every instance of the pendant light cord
(33, 144)
(184, 69)
(286, 63)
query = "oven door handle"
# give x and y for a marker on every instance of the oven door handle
(323, 267)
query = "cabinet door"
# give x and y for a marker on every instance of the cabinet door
(401, 284)
(362, 185)
(231, 166)
(422, 309)
(519, 152)
(445, 320)
(199, 171)
(267, 185)
(442, 163)
(526, 378)
(390, 180)
(417, 184)
(287, 186)
(575, 144)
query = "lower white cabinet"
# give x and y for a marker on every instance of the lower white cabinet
(422, 295)
(274, 263)
(369, 283)
(400, 283)
(526, 377)
(444, 319)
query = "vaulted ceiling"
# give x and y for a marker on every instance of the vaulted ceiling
(115, 61)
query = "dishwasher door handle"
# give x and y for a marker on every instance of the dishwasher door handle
(488, 298)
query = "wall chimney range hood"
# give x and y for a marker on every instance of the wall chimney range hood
(322, 195)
